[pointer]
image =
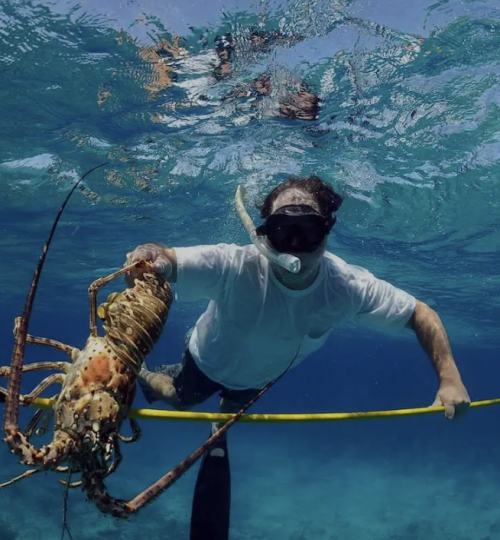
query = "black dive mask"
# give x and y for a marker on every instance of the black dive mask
(295, 229)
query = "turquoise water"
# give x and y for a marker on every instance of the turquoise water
(408, 132)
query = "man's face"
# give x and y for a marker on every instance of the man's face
(294, 196)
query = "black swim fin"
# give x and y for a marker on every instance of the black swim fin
(212, 495)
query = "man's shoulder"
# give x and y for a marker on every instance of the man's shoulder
(340, 271)
(341, 265)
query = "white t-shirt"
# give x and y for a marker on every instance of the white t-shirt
(254, 326)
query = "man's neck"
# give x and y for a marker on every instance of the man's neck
(298, 281)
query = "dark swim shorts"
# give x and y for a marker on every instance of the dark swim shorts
(193, 387)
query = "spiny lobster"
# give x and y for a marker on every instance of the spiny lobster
(98, 387)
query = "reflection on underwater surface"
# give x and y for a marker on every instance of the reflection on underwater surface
(187, 102)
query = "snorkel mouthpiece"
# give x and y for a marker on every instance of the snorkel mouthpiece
(285, 260)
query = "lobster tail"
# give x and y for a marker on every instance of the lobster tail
(134, 319)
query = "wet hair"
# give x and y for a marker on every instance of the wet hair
(328, 200)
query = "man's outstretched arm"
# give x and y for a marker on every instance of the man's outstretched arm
(432, 337)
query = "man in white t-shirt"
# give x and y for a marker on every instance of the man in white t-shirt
(261, 318)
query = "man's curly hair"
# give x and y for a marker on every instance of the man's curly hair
(328, 200)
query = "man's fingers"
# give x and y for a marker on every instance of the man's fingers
(449, 411)
(436, 402)
(162, 266)
(153, 256)
(461, 409)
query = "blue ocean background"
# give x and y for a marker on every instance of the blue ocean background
(408, 133)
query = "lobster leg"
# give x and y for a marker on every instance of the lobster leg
(28, 399)
(6, 370)
(35, 366)
(72, 352)
(26, 474)
(40, 416)
(71, 485)
(35, 420)
(51, 379)
(136, 432)
(111, 469)
(116, 462)
(93, 288)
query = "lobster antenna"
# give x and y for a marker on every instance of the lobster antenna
(65, 526)
(12, 406)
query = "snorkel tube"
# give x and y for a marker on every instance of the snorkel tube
(285, 260)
